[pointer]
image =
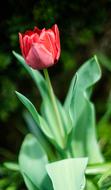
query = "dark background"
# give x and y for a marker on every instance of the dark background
(85, 30)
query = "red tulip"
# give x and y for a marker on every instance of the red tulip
(40, 48)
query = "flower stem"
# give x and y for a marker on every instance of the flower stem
(54, 104)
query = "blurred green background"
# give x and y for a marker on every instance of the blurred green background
(85, 30)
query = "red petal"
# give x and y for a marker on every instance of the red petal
(57, 39)
(35, 37)
(39, 57)
(27, 43)
(46, 41)
(21, 43)
(52, 37)
(37, 30)
(28, 33)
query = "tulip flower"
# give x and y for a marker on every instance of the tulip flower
(40, 48)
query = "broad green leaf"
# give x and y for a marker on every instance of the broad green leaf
(37, 118)
(49, 115)
(85, 142)
(82, 111)
(35, 130)
(32, 161)
(30, 185)
(65, 118)
(70, 94)
(68, 174)
(105, 180)
(47, 129)
(88, 74)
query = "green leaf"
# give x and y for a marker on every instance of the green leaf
(49, 115)
(38, 119)
(35, 130)
(68, 174)
(30, 185)
(40, 83)
(106, 117)
(95, 169)
(70, 94)
(90, 185)
(11, 165)
(67, 123)
(32, 161)
(35, 74)
(21, 60)
(47, 129)
(105, 180)
(82, 111)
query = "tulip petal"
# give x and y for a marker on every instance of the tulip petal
(27, 43)
(21, 43)
(51, 36)
(35, 38)
(28, 33)
(39, 57)
(37, 30)
(47, 42)
(57, 39)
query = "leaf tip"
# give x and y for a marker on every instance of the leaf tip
(96, 58)
(17, 93)
(99, 69)
(13, 52)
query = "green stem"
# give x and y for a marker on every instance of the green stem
(54, 104)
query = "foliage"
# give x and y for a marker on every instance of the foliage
(10, 179)
(79, 33)
(67, 141)
(85, 30)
